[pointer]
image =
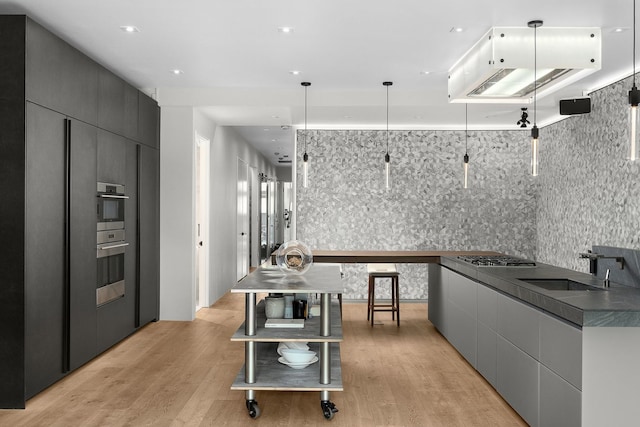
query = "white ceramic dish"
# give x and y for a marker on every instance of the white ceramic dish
(298, 356)
(292, 345)
(297, 365)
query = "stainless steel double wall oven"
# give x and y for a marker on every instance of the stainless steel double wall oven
(111, 243)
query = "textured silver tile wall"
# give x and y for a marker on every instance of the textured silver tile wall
(347, 207)
(589, 193)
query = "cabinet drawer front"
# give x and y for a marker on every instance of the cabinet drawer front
(518, 380)
(561, 349)
(560, 402)
(519, 324)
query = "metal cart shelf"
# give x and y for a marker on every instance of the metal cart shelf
(261, 370)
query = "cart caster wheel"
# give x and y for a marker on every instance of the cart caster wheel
(328, 409)
(253, 408)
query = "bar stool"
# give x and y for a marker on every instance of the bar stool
(383, 271)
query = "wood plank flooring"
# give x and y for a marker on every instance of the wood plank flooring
(179, 374)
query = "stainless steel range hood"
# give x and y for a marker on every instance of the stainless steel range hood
(500, 67)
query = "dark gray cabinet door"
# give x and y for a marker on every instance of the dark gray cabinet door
(148, 121)
(117, 105)
(149, 232)
(59, 76)
(116, 320)
(83, 266)
(112, 158)
(45, 259)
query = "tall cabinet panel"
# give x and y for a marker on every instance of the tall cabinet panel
(45, 248)
(83, 274)
(149, 232)
(59, 76)
(117, 105)
(12, 213)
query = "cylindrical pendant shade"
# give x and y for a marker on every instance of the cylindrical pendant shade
(387, 171)
(305, 170)
(633, 131)
(466, 171)
(534, 150)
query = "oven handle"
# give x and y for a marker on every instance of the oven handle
(119, 245)
(112, 196)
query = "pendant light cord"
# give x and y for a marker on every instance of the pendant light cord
(387, 119)
(634, 43)
(535, 72)
(466, 127)
(305, 119)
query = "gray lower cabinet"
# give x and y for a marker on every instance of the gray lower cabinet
(532, 359)
(517, 378)
(560, 402)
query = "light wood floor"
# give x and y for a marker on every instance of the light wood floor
(179, 373)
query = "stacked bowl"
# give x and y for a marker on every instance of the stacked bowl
(296, 355)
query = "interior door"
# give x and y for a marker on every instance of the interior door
(242, 224)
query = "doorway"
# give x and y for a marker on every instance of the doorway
(242, 224)
(202, 223)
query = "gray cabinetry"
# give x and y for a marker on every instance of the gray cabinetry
(517, 377)
(531, 358)
(117, 105)
(519, 324)
(53, 153)
(59, 76)
(461, 313)
(560, 402)
(82, 237)
(486, 362)
(112, 158)
(148, 121)
(44, 286)
(148, 304)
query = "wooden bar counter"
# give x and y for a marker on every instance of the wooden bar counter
(395, 257)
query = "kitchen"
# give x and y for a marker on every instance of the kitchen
(550, 217)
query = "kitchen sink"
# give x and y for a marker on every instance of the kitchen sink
(561, 285)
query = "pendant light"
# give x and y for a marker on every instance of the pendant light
(634, 100)
(387, 159)
(534, 130)
(466, 141)
(305, 156)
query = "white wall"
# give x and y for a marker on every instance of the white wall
(177, 214)
(177, 207)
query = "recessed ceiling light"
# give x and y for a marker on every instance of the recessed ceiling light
(273, 140)
(129, 29)
(456, 30)
(266, 129)
(620, 30)
(177, 72)
(285, 30)
(275, 117)
(294, 72)
(425, 73)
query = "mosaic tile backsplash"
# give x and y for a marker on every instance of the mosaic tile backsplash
(588, 192)
(346, 205)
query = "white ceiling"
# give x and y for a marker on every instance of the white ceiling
(236, 64)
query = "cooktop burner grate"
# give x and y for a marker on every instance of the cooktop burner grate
(497, 261)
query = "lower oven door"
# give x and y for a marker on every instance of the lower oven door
(110, 260)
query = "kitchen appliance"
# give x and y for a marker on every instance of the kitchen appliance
(110, 242)
(497, 261)
(110, 263)
(110, 206)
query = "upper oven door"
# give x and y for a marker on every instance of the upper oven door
(110, 206)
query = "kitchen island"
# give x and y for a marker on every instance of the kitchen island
(558, 357)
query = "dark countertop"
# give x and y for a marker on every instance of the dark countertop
(615, 306)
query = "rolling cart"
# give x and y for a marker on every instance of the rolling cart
(261, 370)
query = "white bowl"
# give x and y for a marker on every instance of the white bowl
(298, 356)
(293, 345)
(297, 365)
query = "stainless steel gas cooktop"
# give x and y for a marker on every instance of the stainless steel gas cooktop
(497, 261)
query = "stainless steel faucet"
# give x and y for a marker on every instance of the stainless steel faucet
(606, 283)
